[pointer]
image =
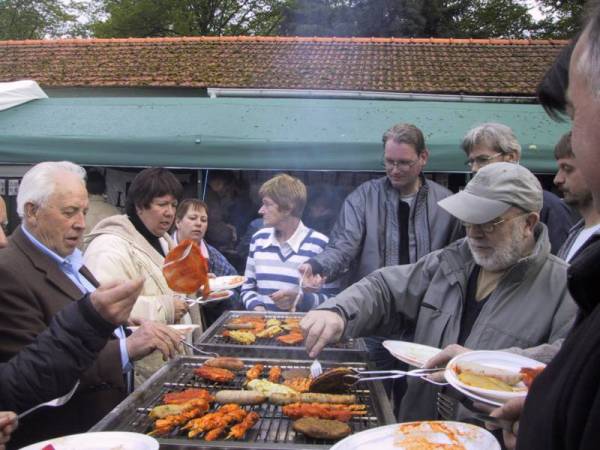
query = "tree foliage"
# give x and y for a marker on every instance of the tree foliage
(36, 19)
(564, 18)
(145, 18)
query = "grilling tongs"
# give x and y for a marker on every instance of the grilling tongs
(359, 376)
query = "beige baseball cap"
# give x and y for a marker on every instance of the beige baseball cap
(492, 191)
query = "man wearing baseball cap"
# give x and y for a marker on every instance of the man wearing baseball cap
(497, 288)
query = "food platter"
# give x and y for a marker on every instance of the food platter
(422, 435)
(226, 282)
(103, 440)
(503, 361)
(410, 352)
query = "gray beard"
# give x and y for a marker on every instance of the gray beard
(503, 257)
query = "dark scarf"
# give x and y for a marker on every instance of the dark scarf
(141, 228)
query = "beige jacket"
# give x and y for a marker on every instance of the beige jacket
(116, 250)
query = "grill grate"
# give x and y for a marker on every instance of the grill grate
(274, 430)
(213, 340)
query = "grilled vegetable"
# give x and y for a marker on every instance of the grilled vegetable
(242, 337)
(308, 397)
(267, 388)
(240, 397)
(270, 332)
(225, 362)
(321, 428)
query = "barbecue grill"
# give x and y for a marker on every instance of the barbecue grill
(212, 340)
(274, 430)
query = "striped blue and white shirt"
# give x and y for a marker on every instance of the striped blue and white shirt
(272, 266)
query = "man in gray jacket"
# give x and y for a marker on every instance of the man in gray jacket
(391, 220)
(498, 288)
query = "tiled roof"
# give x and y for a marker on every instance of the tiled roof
(450, 66)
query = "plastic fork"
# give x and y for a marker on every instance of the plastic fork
(56, 402)
(316, 369)
(297, 299)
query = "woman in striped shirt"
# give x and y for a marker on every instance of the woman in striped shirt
(272, 277)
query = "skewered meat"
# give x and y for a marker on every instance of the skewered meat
(254, 372)
(240, 397)
(324, 411)
(241, 337)
(162, 411)
(175, 398)
(225, 362)
(309, 397)
(215, 374)
(274, 374)
(292, 338)
(332, 380)
(186, 274)
(221, 418)
(322, 428)
(166, 425)
(214, 434)
(238, 431)
(298, 384)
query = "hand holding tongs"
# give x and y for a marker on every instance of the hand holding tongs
(196, 349)
(389, 374)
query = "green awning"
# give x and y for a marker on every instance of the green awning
(256, 133)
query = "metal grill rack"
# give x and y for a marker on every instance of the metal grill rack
(213, 340)
(274, 430)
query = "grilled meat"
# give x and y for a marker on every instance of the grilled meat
(295, 373)
(215, 374)
(175, 398)
(254, 372)
(240, 397)
(309, 397)
(292, 338)
(238, 431)
(322, 428)
(162, 411)
(331, 380)
(167, 424)
(274, 374)
(324, 411)
(225, 362)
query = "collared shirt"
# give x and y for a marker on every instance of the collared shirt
(292, 244)
(70, 266)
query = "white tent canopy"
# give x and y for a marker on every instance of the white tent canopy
(17, 92)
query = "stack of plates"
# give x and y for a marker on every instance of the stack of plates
(105, 440)
(494, 359)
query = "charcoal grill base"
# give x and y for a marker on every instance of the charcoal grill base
(272, 432)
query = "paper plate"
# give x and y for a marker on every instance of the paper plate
(105, 440)
(217, 296)
(495, 359)
(426, 433)
(411, 353)
(181, 327)
(224, 283)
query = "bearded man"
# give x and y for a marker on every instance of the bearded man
(499, 287)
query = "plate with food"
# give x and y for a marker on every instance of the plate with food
(492, 376)
(411, 353)
(104, 440)
(217, 296)
(422, 435)
(184, 328)
(226, 282)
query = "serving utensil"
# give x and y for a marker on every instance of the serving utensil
(196, 349)
(389, 374)
(56, 402)
(316, 369)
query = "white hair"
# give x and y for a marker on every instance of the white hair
(495, 135)
(40, 181)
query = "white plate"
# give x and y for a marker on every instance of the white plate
(495, 359)
(224, 283)
(411, 353)
(181, 327)
(389, 437)
(104, 440)
(229, 293)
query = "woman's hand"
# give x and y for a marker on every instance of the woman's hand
(181, 308)
(284, 298)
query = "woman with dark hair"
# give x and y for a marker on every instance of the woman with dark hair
(191, 222)
(134, 245)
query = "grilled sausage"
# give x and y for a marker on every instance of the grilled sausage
(225, 362)
(239, 326)
(240, 397)
(308, 397)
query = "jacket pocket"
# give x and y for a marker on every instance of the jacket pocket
(493, 337)
(431, 325)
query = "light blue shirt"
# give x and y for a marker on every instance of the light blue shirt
(70, 266)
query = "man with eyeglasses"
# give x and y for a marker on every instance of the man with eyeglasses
(498, 288)
(494, 142)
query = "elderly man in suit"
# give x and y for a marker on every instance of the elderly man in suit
(42, 271)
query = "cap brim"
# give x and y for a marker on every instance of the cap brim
(472, 209)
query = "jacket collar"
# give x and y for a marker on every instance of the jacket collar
(44, 263)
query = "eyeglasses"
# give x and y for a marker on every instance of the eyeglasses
(482, 160)
(4, 226)
(490, 227)
(389, 164)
